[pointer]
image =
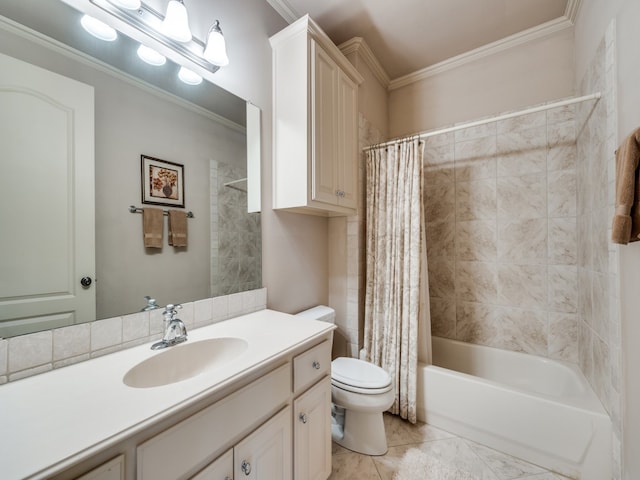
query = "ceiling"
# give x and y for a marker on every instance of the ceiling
(410, 35)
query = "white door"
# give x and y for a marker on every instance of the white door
(46, 199)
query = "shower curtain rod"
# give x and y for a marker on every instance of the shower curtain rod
(548, 106)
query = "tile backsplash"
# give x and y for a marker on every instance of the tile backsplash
(40, 352)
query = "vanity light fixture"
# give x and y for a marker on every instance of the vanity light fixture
(176, 22)
(172, 32)
(98, 29)
(189, 77)
(128, 4)
(216, 49)
(150, 56)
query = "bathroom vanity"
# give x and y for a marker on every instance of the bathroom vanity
(257, 412)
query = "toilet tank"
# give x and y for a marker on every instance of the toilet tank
(321, 313)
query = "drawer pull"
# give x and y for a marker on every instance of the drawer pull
(316, 364)
(245, 467)
(303, 417)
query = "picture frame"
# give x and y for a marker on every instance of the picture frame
(162, 182)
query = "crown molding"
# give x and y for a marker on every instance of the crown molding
(285, 10)
(359, 46)
(571, 11)
(506, 43)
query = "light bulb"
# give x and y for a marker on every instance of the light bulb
(216, 49)
(189, 77)
(98, 29)
(128, 4)
(150, 56)
(176, 22)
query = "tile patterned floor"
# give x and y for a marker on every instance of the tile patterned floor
(472, 458)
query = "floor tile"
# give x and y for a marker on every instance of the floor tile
(353, 466)
(504, 466)
(416, 450)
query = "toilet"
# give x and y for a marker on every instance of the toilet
(360, 393)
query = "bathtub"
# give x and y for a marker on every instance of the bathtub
(533, 408)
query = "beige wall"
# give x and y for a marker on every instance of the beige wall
(593, 19)
(525, 75)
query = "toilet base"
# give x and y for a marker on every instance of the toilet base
(363, 433)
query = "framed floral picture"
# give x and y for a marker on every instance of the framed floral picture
(162, 182)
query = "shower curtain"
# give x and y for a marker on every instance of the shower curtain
(396, 299)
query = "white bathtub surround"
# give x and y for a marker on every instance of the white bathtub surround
(540, 410)
(28, 355)
(396, 265)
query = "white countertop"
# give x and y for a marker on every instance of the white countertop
(51, 421)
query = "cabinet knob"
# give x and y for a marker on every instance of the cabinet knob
(245, 467)
(316, 364)
(303, 417)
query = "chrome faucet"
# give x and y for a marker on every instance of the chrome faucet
(174, 330)
(151, 304)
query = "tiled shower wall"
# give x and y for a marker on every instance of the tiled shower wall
(236, 240)
(500, 203)
(598, 312)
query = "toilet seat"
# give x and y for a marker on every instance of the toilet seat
(358, 376)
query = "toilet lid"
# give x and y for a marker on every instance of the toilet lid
(358, 373)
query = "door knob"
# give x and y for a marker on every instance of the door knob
(86, 282)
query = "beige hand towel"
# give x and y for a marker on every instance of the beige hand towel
(626, 221)
(152, 226)
(177, 228)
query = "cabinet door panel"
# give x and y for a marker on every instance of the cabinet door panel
(112, 470)
(221, 469)
(266, 453)
(312, 433)
(347, 159)
(324, 141)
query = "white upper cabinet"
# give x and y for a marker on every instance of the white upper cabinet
(315, 163)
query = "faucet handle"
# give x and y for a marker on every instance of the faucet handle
(172, 308)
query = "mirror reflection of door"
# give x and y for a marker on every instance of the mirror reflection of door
(46, 199)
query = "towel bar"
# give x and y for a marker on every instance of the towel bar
(134, 209)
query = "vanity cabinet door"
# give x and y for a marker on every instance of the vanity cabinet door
(266, 453)
(221, 469)
(312, 433)
(112, 470)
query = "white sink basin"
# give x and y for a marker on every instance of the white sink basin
(184, 361)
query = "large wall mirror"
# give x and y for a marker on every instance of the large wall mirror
(139, 110)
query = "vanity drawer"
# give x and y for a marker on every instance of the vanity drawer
(189, 444)
(311, 366)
